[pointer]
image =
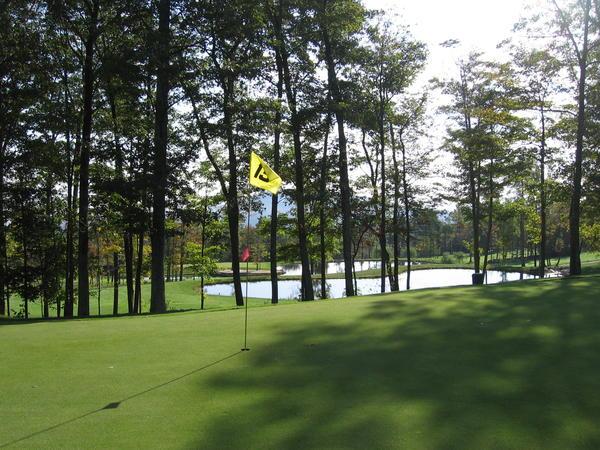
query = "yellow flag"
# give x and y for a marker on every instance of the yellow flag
(262, 176)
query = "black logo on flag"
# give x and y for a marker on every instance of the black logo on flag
(261, 173)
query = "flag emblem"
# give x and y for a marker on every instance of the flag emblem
(262, 176)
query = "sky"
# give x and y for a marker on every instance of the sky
(478, 24)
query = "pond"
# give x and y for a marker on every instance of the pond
(337, 267)
(419, 279)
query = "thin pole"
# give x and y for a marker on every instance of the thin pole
(246, 349)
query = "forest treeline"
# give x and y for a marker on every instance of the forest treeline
(126, 128)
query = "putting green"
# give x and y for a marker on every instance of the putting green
(506, 366)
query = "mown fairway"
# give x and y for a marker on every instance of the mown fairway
(506, 366)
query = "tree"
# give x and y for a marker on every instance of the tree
(229, 51)
(537, 70)
(482, 141)
(339, 22)
(283, 15)
(575, 24)
(407, 125)
(396, 60)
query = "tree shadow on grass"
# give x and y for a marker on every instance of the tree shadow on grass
(514, 366)
(115, 404)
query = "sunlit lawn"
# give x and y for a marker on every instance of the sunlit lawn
(505, 366)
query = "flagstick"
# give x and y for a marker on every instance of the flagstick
(246, 349)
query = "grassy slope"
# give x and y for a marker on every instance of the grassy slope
(506, 366)
(181, 295)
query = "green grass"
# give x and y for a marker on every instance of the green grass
(264, 265)
(505, 366)
(181, 295)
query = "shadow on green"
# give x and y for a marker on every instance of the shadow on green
(515, 366)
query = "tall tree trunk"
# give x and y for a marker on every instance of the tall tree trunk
(396, 220)
(474, 185)
(574, 213)
(475, 213)
(307, 287)
(202, 249)
(26, 278)
(72, 227)
(25, 261)
(128, 250)
(323, 200)
(230, 192)
(233, 208)
(98, 272)
(3, 266)
(69, 269)
(543, 228)
(47, 252)
(169, 246)
(490, 217)
(407, 209)
(275, 198)
(137, 297)
(157, 297)
(338, 109)
(83, 304)
(181, 251)
(172, 274)
(522, 238)
(116, 284)
(382, 225)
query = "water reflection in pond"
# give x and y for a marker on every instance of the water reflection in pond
(419, 279)
(332, 267)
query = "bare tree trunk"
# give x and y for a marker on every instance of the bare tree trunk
(128, 250)
(543, 227)
(83, 304)
(396, 220)
(202, 247)
(3, 265)
(69, 266)
(230, 193)
(343, 160)
(25, 262)
(116, 284)
(490, 216)
(323, 200)
(475, 212)
(169, 246)
(407, 209)
(47, 252)
(233, 209)
(574, 214)
(307, 287)
(137, 297)
(98, 272)
(181, 251)
(522, 238)
(275, 198)
(382, 221)
(157, 297)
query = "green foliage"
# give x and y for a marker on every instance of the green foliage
(202, 264)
